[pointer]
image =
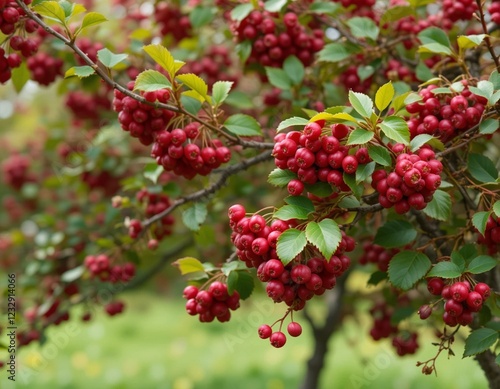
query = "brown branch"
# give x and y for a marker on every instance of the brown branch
(487, 38)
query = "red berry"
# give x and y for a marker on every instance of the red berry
(265, 331)
(278, 339)
(294, 329)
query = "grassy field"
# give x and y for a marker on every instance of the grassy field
(156, 345)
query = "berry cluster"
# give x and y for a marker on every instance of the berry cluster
(100, 267)
(44, 68)
(397, 71)
(7, 63)
(212, 303)
(142, 120)
(90, 48)
(405, 343)
(494, 10)
(278, 338)
(188, 151)
(491, 237)
(373, 253)
(102, 180)
(316, 154)
(275, 37)
(461, 300)
(443, 115)
(459, 10)
(114, 308)
(15, 171)
(171, 21)
(85, 106)
(349, 78)
(412, 183)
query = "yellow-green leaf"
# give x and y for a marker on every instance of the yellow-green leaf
(92, 19)
(79, 71)
(195, 83)
(162, 57)
(51, 10)
(189, 265)
(151, 80)
(384, 96)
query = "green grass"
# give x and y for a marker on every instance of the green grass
(156, 345)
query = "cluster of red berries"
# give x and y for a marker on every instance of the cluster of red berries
(102, 180)
(7, 63)
(171, 21)
(278, 338)
(114, 308)
(212, 303)
(443, 115)
(491, 237)
(317, 155)
(90, 48)
(141, 120)
(412, 183)
(44, 68)
(349, 78)
(494, 10)
(15, 171)
(459, 10)
(188, 152)
(26, 337)
(85, 106)
(275, 37)
(53, 314)
(461, 300)
(373, 253)
(398, 71)
(405, 343)
(100, 267)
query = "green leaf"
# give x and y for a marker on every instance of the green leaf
(278, 78)
(302, 202)
(325, 236)
(377, 277)
(92, 19)
(51, 10)
(434, 40)
(420, 140)
(362, 27)
(401, 313)
(384, 96)
(459, 260)
(350, 181)
(336, 52)
(440, 206)
(380, 155)
(445, 270)
(320, 189)
(470, 41)
(365, 71)
(280, 178)
(195, 216)
(73, 274)
(495, 79)
(407, 267)
(200, 16)
(395, 233)
(220, 91)
(422, 72)
(479, 220)
(290, 244)
(196, 83)
(162, 57)
(288, 212)
(244, 49)
(364, 171)
(189, 265)
(191, 104)
(496, 208)
(79, 71)
(324, 8)
(241, 281)
(482, 168)
(361, 103)
(241, 11)
(359, 137)
(110, 59)
(468, 252)
(152, 171)
(482, 264)
(293, 121)
(274, 5)
(396, 128)
(484, 88)
(151, 80)
(239, 100)
(243, 125)
(349, 202)
(479, 341)
(294, 69)
(489, 126)
(20, 76)
(395, 13)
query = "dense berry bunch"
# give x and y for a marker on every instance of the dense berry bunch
(275, 37)
(445, 116)
(412, 183)
(456, 10)
(90, 48)
(171, 21)
(15, 171)
(351, 81)
(142, 120)
(461, 300)
(316, 154)
(373, 253)
(212, 303)
(491, 237)
(7, 63)
(114, 308)
(100, 267)
(44, 68)
(398, 71)
(405, 343)
(494, 10)
(382, 326)
(188, 151)
(86, 106)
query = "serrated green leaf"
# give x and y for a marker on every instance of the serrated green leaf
(481, 264)
(495, 79)
(395, 233)
(470, 41)
(361, 103)
(220, 91)
(110, 59)
(243, 125)
(241, 11)
(359, 137)
(320, 189)
(489, 126)
(479, 341)
(151, 80)
(301, 201)
(479, 220)
(439, 207)
(194, 82)
(289, 212)
(79, 71)
(200, 16)
(384, 96)
(92, 19)
(325, 236)
(445, 270)
(293, 121)
(20, 76)
(363, 27)
(152, 171)
(189, 265)
(162, 57)
(380, 155)
(364, 171)
(336, 52)
(459, 260)
(496, 208)
(195, 216)
(274, 5)
(51, 10)
(294, 69)
(377, 277)
(396, 128)
(420, 140)
(290, 244)
(280, 178)
(350, 181)
(468, 252)
(435, 37)
(73, 274)
(364, 72)
(278, 78)
(190, 104)
(482, 168)
(407, 267)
